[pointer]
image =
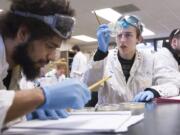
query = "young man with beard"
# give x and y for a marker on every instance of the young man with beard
(30, 33)
(135, 74)
(171, 50)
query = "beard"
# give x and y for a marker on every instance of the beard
(177, 51)
(178, 56)
(21, 57)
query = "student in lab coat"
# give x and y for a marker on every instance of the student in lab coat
(134, 73)
(30, 32)
(60, 73)
(172, 48)
(79, 63)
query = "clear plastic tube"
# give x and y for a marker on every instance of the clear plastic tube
(112, 28)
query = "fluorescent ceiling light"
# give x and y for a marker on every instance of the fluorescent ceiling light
(1, 10)
(147, 32)
(108, 14)
(167, 40)
(84, 38)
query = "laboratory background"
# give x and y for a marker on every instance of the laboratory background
(159, 18)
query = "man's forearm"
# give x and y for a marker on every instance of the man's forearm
(25, 101)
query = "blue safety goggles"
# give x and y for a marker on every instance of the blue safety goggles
(127, 20)
(62, 25)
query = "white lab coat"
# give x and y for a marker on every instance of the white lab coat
(41, 81)
(53, 75)
(79, 65)
(24, 84)
(164, 58)
(61, 78)
(167, 57)
(145, 72)
(6, 97)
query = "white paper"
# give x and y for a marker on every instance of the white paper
(102, 113)
(89, 122)
(133, 120)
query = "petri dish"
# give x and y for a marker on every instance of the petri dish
(133, 105)
(108, 107)
(85, 109)
(125, 106)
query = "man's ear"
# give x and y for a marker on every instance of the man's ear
(22, 34)
(140, 40)
(174, 43)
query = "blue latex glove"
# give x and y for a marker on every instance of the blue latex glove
(103, 36)
(144, 96)
(69, 93)
(47, 114)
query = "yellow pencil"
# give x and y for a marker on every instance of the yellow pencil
(97, 18)
(98, 83)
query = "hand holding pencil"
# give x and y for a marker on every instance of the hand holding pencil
(93, 86)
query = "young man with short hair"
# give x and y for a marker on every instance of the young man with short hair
(135, 74)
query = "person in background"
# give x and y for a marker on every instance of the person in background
(169, 56)
(172, 48)
(30, 26)
(135, 74)
(59, 73)
(79, 63)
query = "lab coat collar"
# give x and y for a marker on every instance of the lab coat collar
(116, 61)
(136, 64)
